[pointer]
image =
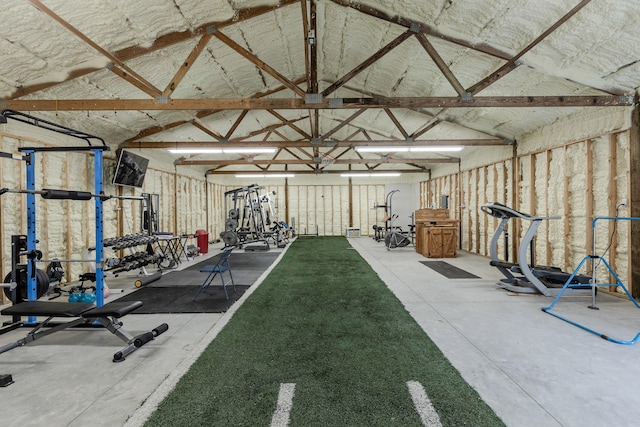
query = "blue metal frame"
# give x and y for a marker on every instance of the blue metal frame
(97, 147)
(31, 226)
(32, 293)
(594, 285)
(97, 155)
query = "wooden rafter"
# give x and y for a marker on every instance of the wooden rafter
(343, 123)
(186, 65)
(236, 124)
(140, 81)
(404, 22)
(437, 59)
(426, 128)
(289, 124)
(313, 171)
(367, 62)
(203, 126)
(286, 143)
(298, 104)
(201, 114)
(397, 123)
(160, 43)
(257, 61)
(511, 63)
(255, 161)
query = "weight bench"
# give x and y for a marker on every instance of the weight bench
(83, 314)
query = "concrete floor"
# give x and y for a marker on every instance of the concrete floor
(531, 368)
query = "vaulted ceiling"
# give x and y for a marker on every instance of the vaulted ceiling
(315, 78)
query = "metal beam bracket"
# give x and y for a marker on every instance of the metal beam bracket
(316, 141)
(211, 29)
(335, 103)
(415, 27)
(466, 96)
(627, 99)
(163, 99)
(313, 98)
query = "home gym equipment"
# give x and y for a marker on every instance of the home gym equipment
(85, 314)
(395, 237)
(248, 221)
(149, 216)
(594, 284)
(94, 145)
(535, 279)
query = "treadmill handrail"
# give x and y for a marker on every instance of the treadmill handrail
(499, 210)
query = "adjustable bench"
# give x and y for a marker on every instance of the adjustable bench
(83, 314)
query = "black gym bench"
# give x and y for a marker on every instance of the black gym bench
(84, 314)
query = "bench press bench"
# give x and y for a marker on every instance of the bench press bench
(83, 314)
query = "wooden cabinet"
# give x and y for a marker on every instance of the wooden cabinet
(436, 233)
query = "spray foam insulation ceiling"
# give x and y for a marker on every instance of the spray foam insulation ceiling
(315, 79)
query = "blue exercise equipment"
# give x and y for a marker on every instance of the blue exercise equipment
(594, 285)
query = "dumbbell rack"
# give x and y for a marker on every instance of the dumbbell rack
(135, 259)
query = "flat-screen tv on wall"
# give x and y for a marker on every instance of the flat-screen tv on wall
(130, 170)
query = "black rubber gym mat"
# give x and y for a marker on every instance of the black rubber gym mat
(179, 299)
(449, 271)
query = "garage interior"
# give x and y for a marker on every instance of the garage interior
(330, 106)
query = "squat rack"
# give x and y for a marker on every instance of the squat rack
(97, 147)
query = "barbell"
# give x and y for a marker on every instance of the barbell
(56, 194)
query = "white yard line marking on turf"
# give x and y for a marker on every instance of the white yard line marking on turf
(283, 408)
(423, 405)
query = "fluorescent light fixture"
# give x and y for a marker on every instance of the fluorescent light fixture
(423, 148)
(380, 149)
(247, 150)
(437, 148)
(268, 175)
(373, 175)
(195, 150)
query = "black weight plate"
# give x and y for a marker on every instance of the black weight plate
(231, 224)
(229, 238)
(42, 284)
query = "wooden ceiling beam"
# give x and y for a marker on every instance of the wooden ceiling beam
(481, 47)
(404, 22)
(149, 88)
(201, 114)
(343, 123)
(160, 43)
(289, 124)
(257, 61)
(367, 62)
(287, 144)
(397, 123)
(312, 171)
(437, 59)
(203, 126)
(298, 104)
(191, 162)
(186, 65)
(512, 63)
(236, 124)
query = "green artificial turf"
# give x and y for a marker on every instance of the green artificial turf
(325, 321)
